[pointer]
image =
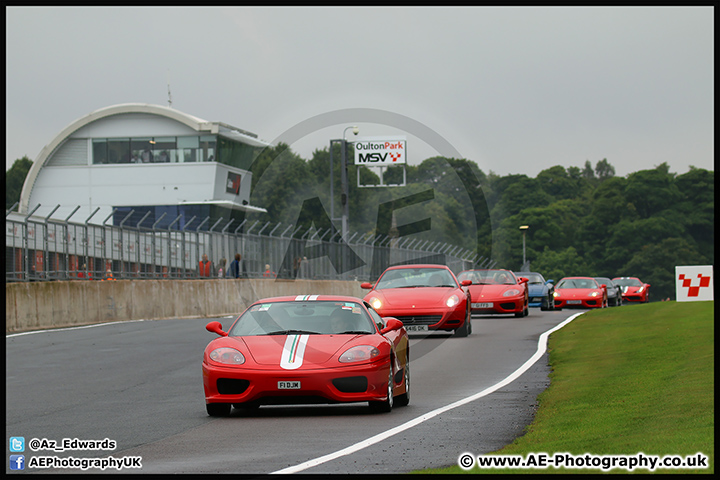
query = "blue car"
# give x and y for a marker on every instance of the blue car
(540, 291)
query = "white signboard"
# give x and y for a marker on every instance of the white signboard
(380, 151)
(694, 283)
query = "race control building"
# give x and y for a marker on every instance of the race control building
(154, 161)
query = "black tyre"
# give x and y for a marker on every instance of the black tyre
(404, 399)
(386, 405)
(218, 409)
(463, 331)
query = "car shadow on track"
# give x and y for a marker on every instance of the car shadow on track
(285, 411)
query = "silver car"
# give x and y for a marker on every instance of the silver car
(614, 291)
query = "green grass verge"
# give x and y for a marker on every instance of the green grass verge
(639, 378)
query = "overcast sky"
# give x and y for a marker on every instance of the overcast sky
(517, 90)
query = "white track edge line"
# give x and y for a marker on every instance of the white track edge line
(542, 348)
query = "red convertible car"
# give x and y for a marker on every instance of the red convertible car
(633, 290)
(580, 292)
(424, 297)
(307, 349)
(497, 291)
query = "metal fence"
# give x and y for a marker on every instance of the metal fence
(43, 249)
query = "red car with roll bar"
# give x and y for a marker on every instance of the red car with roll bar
(633, 289)
(307, 349)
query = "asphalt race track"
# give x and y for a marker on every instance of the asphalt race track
(140, 385)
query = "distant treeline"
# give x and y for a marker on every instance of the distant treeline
(582, 221)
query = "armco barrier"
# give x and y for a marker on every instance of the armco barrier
(40, 305)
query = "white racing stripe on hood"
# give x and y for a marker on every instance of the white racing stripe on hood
(293, 351)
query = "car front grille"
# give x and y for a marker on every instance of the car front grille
(420, 319)
(231, 386)
(351, 384)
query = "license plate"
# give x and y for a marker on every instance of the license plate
(574, 302)
(416, 328)
(482, 305)
(294, 385)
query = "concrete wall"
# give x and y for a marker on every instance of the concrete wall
(40, 305)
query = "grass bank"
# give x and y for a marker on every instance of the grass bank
(639, 378)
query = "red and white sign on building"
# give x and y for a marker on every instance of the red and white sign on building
(694, 283)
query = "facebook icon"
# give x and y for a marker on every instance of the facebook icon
(17, 462)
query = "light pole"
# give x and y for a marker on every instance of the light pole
(524, 229)
(344, 182)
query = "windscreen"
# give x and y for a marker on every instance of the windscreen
(303, 317)
(416, 277)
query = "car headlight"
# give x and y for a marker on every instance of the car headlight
(375, 302)
(227, 355)
(511, 292)
(641, 289)
(452, 301)
(594, 294)
(556, 294)
(361, 353)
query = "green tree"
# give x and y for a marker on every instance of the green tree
(280, 185)
(516, 193)
(697, 208)
(557, 183)
(604, 170)
(14, 180)
(655, 264)
(651, 191)
(558, 264)
(628, 238)
(607, 208)
(587, 171)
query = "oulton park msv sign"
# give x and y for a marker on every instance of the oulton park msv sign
(380, 151)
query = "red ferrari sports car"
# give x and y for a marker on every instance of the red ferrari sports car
(633, 290)
(580, 292)
(497, 291)
(424, 297)
(307, 349)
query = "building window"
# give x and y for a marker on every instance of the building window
(155, 149)
(188, 147)
(166, 150)
(142, 150)
(99, 147)
(208, 144)
(118, 150)
(236, 154)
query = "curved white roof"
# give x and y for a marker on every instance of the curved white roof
(191, 121)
